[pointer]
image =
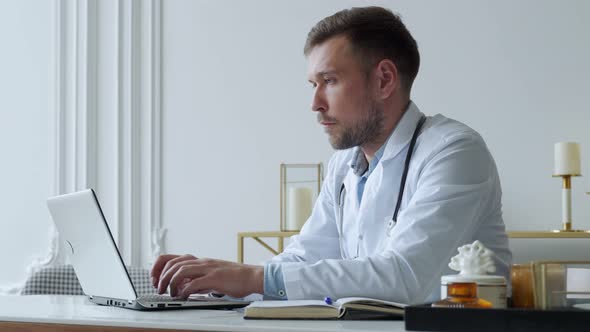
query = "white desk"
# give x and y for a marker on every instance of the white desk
(75, 313)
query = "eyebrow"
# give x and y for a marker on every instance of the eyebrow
(323, 73)
(326, 72)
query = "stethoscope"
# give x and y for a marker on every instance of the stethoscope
(400, 195)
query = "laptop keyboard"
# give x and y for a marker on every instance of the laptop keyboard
(168, 298)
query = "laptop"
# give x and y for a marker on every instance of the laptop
(87, 239)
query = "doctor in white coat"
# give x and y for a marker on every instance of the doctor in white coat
(401, 194)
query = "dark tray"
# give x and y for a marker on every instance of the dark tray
(425, 318)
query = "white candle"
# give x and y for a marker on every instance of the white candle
(299, 205)
(567, 159)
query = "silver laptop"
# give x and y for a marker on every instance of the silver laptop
(86, 237)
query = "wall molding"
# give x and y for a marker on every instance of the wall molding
(107, 89)
(139, 130)
(154, 68)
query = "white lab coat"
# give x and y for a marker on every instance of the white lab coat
(452, 197)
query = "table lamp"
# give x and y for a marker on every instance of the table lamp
(566, 165)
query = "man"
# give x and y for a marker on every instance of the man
(401, 194)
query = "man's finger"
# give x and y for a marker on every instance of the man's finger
(158, 266)
(197, 286)
(171, 269)
(191, 271)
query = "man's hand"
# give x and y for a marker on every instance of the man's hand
(189, 275)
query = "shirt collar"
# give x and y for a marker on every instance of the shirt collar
(359, 162)
(360, 165)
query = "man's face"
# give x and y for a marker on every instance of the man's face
(343, 95)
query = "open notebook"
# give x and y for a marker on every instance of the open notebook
(349, 307)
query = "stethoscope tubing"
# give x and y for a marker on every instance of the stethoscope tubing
(342, 195)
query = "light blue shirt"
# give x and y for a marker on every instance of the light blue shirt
(363, 178)
(274, 285)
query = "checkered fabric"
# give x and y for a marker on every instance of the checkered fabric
(63, 280)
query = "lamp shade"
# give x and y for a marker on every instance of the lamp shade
(566, 159)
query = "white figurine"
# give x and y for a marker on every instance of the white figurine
(473, 259)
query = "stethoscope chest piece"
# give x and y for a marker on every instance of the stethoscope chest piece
(390, 227)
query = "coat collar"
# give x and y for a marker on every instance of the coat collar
(402, 133)
(398, 139)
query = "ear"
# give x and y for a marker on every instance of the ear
(387, 78)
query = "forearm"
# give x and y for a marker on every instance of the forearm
(255, 279)
(388, 278)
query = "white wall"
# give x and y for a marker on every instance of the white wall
(236, 104)
(25, 99)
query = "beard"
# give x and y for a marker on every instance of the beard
(365, 130)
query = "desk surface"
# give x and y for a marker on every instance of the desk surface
(40, 312)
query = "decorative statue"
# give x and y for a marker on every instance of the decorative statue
(473, 259)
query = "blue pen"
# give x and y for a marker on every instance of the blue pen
(328, 300)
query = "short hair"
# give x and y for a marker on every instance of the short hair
(374, 34)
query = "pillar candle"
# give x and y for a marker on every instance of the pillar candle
(567, 159)
(299, 205)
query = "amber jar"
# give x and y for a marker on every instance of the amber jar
(462, 295)
(522, 286)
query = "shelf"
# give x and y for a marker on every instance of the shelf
(268, 234)
(549, 235)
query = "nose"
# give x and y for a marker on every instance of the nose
(318, 103)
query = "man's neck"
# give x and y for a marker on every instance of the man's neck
(370, 148)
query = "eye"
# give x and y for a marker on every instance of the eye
(329, 80)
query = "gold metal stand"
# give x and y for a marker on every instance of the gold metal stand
(257, 235)
(567, 205)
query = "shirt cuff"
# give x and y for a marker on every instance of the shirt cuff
(274, 285)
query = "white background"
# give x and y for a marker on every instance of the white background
(25, 103)
(235, 104)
